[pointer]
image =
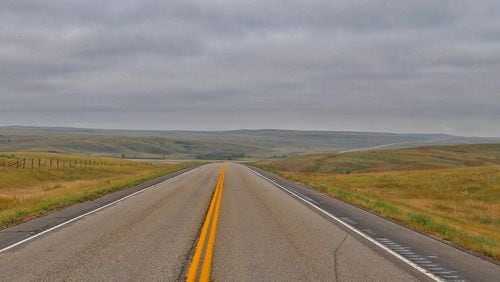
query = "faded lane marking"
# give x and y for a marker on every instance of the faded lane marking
(352, 228)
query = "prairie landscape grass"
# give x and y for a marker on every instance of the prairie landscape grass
(28, 193)
(460, 204)
(208, 145)
(431, 157)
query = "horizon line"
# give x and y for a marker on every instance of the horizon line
(242, 129)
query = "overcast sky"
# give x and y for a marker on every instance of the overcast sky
(393, 66)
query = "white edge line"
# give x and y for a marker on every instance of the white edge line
(90, 212)
(410, 263)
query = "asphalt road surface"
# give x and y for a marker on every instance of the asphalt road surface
(262, 233)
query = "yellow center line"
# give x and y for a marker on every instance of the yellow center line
(210, 222)
(207, 263)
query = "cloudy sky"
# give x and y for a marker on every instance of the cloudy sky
(394, 66)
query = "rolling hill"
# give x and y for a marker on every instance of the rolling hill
(236, 144)
(430, 157)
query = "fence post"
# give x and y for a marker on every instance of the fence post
(32, 163)
(24, 163)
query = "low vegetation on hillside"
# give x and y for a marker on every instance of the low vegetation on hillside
(31, 191)
(235, 144)
(431, 157)
(451, 192)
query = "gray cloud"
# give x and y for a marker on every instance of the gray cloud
(400, 66)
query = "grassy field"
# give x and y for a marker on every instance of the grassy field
(31, 192)
(432, 157)
(450, 192)
(208, 145)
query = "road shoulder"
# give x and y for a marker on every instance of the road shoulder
(14, 235)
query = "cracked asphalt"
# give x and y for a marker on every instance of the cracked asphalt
(266, 235)
(263, 235)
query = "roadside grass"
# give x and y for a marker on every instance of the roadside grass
(28, 193)
(431, 157)
(459, 205)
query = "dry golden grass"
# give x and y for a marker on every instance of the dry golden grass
(460, 205)
(432, 157)
(27, 193)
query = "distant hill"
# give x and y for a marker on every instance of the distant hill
(236, 144)
(430, 157)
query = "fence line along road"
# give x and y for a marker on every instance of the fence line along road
(32, 163)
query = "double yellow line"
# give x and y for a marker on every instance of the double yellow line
(209, 229)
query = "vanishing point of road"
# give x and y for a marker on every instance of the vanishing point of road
(226, 223)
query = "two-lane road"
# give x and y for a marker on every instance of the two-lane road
(263, 234)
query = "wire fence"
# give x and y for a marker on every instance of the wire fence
(32, 163)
